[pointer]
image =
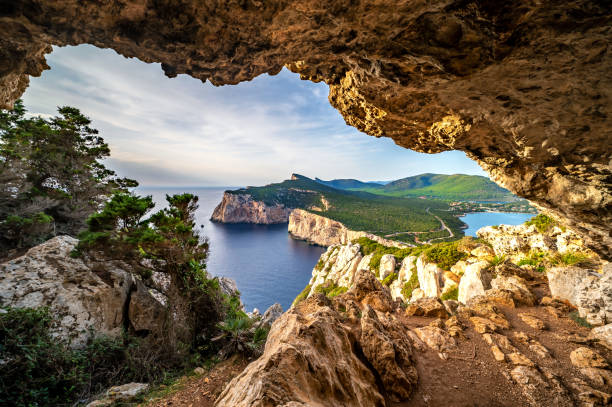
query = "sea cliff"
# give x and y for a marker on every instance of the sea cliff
(242, 208)
(323, 231)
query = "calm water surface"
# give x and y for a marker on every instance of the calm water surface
(478, 220)
(267, 265)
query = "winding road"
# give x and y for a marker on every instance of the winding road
(442, 227)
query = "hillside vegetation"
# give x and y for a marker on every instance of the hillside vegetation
(359, 210)
(456, 187)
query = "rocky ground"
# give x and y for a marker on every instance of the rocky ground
(362, 348)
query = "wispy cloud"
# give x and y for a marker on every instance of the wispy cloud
(182, 132)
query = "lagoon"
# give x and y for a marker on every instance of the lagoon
(478, 220)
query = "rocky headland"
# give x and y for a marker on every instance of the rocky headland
(322, 231)
(242, 208)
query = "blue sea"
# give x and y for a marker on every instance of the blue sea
(478, 220)
(266, 263)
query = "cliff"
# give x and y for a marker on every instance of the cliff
(242, 208)
(323, 231)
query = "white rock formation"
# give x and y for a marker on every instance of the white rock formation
(387, 266)
(323, 231)
(429, 277)
(474, 281)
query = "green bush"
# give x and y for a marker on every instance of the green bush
(389, 279)
(445, 255)
(496, 260)
(38, 369)
(330, 289)
(410, 285)
(572, 259)
(534, 258)
(452, 294)
(303, 295)
(541, 222)
(575, 316)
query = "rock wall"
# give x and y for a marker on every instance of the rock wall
(323, 231)
(242, 208)
(521, 87)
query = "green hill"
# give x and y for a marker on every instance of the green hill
(448, 187)
(359, 210)
(349, 184)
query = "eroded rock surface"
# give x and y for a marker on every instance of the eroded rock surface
(523, 88)
(242, 208)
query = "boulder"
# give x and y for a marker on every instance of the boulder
(586, 357)
(521, 294)
(603, 334)
(387, 266)
(594, 297)
(271, 314)
(82, 299)
(310, 359)
(475, 280)
(389, 351)
(429, 275)
(564, 282)
(417, 293)
(147, 310)
(482, 251)
(589, 291)
(427, 307)
(118, 394)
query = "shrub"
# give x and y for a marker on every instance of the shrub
(303, 295)
(410, 285)
(330, 289)
(541, 222)
(496, 260)
(534, 258)
(319, 265)
(389, 279)
(572, 259)
(38, 369)
(575, 316)
(445, 255)
(452, 294)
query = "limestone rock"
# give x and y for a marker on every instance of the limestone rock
(427, 307)
(584, 357)
(271, 314)
(323, 231)
(117, 394)
(594, 297)
(417, 294)
(599, 377)
(429, 277)
(475, 280)
(79, 297)
(147, 310)
(482, 252)
(309, 334)
(390, 357)
(517, 286)
(387, 266)
(603, 334)
(532, 321)
(436, 338)
(564, 282)
(405, 272)
(242, 208)
(477, 91)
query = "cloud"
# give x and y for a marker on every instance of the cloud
(183, 132)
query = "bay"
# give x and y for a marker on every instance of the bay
(478, 220)
(266, 263)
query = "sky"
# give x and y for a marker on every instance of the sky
(182, 132)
